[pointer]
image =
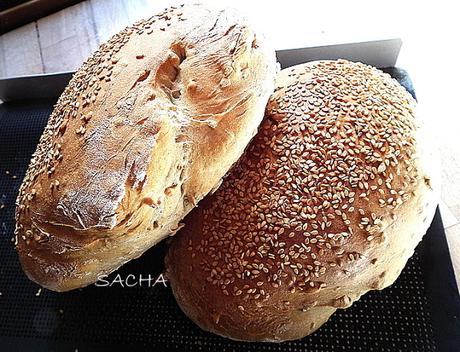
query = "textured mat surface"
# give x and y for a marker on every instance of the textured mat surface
(420, 312)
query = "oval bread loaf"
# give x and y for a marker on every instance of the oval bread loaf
(328, 202)
(147, 126)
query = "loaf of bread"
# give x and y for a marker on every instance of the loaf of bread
(148, 126)
(328, 202)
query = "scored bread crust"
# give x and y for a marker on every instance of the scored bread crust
(147, 127)
(328, 202)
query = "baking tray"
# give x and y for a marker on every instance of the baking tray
(420, 312)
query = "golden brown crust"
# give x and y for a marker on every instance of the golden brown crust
(328, 202)
(149, 125)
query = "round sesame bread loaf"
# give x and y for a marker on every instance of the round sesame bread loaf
(147, 127)
(328, 202)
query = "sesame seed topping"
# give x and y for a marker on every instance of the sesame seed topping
(335, 135)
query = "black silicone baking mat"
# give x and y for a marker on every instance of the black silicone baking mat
(420, 312)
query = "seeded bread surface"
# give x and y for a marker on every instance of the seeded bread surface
(147, 126)
(328, 202)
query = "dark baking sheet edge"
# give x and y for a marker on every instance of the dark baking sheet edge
(447, 333)
(378, 53)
